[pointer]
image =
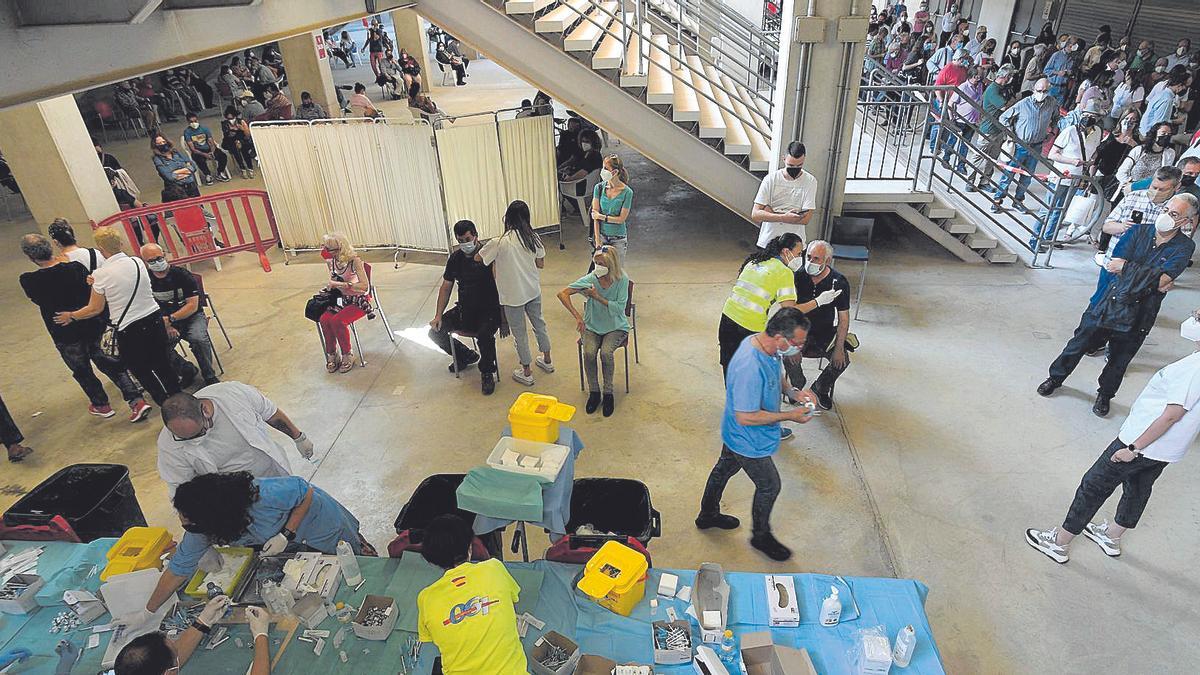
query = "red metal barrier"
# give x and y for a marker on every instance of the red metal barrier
(236, 213)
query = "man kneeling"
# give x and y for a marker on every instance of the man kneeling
(826, 338)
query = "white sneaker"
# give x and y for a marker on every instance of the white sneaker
(1100, 260)
(1044, 541)
(548, 367)
(1099, 534)
(520, 376)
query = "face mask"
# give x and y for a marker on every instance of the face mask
(1160, 69)
(1164, 223)
(1180, 51)
(791, 350)
(1187, 181)
(1015, 50)
(601, 270)
(194, 125)
(606, 175)
(158, 266)
(1087, 122)
(586, 147)
(796, 264)
(1190, 330)
(813, 269)
(468, 247)
(161, 147)
(1040, 96)
(1074, 48)
(1162, 141)
(794, 171)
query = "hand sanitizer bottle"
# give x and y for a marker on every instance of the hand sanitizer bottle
(349, 564)
(831, 608)
(906, 644)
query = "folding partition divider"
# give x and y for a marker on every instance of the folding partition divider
(473, 176)
(530, 174)
(293, 181)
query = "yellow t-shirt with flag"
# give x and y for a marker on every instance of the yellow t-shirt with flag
(470, 614)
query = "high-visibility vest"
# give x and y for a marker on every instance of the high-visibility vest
(759, 286)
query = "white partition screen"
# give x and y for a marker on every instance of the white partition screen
(411, 187)
(293, 181)
(530, 174)
(473, 177)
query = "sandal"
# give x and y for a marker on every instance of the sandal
(19, 453)
(347, 362)
(331, 363)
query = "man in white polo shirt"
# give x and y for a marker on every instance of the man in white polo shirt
(1162, 425)
(786, 198)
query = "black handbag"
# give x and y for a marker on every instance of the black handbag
(320, 303)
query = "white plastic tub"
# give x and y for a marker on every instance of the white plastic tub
(543, 461)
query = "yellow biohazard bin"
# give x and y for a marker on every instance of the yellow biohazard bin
(535, 417)
(615, 577)
(138, 549)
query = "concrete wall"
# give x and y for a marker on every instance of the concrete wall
(37, 63)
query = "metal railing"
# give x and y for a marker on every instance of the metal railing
(895, 141)
(233, 216)
(624, 34)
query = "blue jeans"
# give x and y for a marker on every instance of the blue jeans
(934, 140)
(1048, 222)
(1025, 160)
(194, 331)
(964, 142)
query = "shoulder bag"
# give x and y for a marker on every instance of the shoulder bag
(108, 339)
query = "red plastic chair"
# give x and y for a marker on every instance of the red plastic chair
(373, 299)
(192, 228)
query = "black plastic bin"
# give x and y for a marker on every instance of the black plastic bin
(436, 495)
(98, 500)
(618, 505)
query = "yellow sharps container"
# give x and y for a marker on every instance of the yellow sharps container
(535, 417)
(615, 577)
(138, 549)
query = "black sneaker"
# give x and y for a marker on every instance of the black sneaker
(1048, 386)
(719, 521)
(487, 383)
(771, 547)
(608, 404)
(593, 402)
(1100, 407)
(824, 398)
(471, 360)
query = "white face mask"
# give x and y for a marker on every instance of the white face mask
(585, 146)
(194, 125)
(1040, 96)
(1190, 330)
(1164, 223)
(813, 269)
(158, 266)
(606, 175)
(468, 247)
(601, 270)
(1180, 51)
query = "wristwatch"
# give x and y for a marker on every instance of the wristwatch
(288, 534)
(200, 626)
(1132, 448)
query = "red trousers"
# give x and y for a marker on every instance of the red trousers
(335, 326)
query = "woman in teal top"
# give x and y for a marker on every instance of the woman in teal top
(603, 325)
(611, 201)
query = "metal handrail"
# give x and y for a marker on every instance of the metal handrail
(724, 13)
(706, 16)
(766, 133)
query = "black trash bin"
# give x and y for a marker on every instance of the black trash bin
(436, 495)
(617, 505)
(98, 500)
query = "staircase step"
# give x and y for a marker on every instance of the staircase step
(737, 142)
(1000, 256)
(609, 53)
(712, 123)
(686, 108)
(760, 147)
(756, 105)
(631, 75)
(562, 17)
(958, 226)
(526, 6)
(587, 34)
(660, 86)
(979, 241)
(940, 212)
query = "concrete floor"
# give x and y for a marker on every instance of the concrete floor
(936, 457)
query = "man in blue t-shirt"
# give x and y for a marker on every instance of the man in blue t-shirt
(204, 150)
(751, 430)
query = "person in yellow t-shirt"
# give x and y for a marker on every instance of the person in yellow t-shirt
(470, 613)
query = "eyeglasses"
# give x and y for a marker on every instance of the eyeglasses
(160, 258)
(205, 426)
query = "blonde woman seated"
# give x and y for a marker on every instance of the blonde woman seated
(348, 285)
(603, 325)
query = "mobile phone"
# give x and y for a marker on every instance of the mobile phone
(1137, 217)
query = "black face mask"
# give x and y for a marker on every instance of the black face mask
(1187, 181)
(1162, 141)
(1087, 122)
(161, 147)
(794, 171)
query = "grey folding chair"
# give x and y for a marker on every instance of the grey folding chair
(851, 239)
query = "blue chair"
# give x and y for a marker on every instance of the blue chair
(851, 239)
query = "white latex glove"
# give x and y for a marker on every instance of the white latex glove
(828, 296)
(275, 545)
(214, 611)
(259, 620)
(304, 446)
(142, 617)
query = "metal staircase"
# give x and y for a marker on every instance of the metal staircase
(692, 62)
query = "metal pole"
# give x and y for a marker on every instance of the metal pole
(624, 35)
(637, 10)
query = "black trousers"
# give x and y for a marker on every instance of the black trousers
(761, 471)
(484, 328)
(144, 351)
(729, 336)
(202, 162)
(828, 376)
(1136, 479)
(1122, 347)
(9, 433)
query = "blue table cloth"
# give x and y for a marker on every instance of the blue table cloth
(556, 496)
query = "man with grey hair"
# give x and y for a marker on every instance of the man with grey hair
(59, 285)
(829, 325)
(1031, 120)
(1145, 264)
(990, 140)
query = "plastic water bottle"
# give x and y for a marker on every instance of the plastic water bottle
(728, 654)
(349, 564)
(906, 644)
(831, 608)
(279, 600)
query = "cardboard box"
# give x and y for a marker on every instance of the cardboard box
(542, 647)
(590, 664)
(670, 657)
(762, 656)
(311, 610)
(26, 600)
(710, 593)
(375, 632)
(706, 662)
(781, 600)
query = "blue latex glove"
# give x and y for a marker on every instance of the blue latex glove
(14, 656)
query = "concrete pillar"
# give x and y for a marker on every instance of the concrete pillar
(997, 15)
(308, 71)
(50, 153)
(818, 109)
(410, 34)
